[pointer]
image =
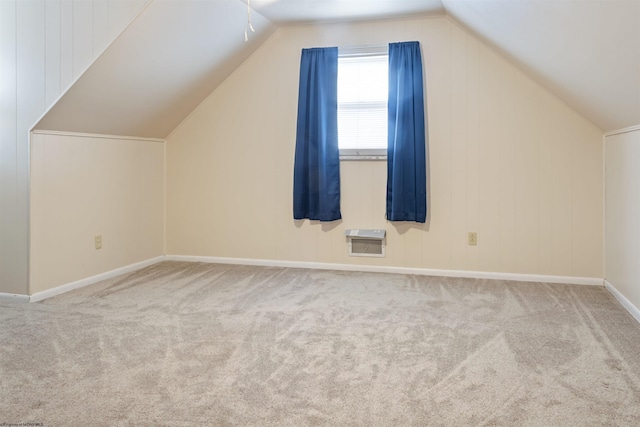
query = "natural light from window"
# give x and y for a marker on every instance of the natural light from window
(362, 103)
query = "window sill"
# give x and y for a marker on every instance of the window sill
(363, 157)
(350, 154)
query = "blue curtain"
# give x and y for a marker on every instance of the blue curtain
(406, 152)
(316, 175)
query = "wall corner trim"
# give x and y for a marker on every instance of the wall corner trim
(619, 131)
(39, 296)
(590, 281)
(96, 136)
(632, 309)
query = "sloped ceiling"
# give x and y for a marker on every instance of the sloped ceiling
(159, 69)
(284, 12)
(586, 52)
(177, 51)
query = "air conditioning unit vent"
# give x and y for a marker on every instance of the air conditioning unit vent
(369, 243)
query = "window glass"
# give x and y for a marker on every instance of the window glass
(362, 103)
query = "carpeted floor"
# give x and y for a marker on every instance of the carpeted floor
(184, 344)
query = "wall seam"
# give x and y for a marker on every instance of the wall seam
(604, 208)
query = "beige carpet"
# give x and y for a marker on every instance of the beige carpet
(184, 344)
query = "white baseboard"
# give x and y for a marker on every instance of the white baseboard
(4, 297)
(592, 281)
(632, 309)
(39, 296)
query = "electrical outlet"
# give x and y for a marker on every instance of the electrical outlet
(98, 240)
(472, 238)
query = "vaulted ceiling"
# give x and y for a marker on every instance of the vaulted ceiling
(587, 52)
(159, 69)
(177, 51)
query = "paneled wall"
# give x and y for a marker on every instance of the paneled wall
(44, 46)
(507, 160)
(622, 208)
(84, 186)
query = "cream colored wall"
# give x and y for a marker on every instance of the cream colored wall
(622, 213)
(506, 159)
(44, 46)
(83, 186)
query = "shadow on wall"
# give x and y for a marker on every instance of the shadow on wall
(326, 226)
(401, 226)
(404, 226)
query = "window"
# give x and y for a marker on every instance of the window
(362, 102)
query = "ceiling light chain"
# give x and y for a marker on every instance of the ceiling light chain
(246, 37)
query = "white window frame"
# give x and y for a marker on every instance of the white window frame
(363, 153)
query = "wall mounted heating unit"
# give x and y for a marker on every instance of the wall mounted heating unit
(366, 242)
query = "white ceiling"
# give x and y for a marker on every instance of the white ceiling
(313, 11)
(587, 52)
(156, 72)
